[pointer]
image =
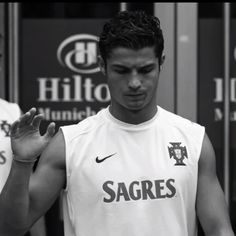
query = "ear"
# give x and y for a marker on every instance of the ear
(102, 65)
(162, 60)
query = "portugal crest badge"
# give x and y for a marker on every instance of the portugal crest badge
(178, 153)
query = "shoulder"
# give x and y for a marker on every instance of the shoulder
(174, 120)
(85, 126)
(54, 153)
(207, 156)
(192, 132)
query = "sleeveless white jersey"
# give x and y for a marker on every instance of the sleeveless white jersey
(9, 112)
(135, 180)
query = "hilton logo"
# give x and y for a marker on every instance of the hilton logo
(82, 84)
(79, 53)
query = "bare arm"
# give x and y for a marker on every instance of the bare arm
(26, 197)
(211, 205)
(39, 228)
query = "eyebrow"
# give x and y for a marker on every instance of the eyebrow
(122, 66)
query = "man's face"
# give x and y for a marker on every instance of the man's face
(132, 77)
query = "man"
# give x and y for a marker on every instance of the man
(9, 112)
(132, 169)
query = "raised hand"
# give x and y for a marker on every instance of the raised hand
(26, 141)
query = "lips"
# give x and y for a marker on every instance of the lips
(135, 95)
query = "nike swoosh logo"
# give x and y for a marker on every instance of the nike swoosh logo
(103, 159)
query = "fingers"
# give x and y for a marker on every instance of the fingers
(32, 112)
(50, 131)
(14, 127)
(27, 117)
(37, 120)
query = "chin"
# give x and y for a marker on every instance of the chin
(135, 107)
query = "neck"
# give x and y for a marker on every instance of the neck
(133, 116)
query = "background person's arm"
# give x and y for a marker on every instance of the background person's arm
(211, 206)
(26, 196)
(39, 228)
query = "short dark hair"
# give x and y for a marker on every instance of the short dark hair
(131, 29)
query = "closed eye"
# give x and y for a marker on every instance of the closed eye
(122, 71)
(146, 69)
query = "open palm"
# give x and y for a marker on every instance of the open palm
(26, 141)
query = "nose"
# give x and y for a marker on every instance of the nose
(134, 82)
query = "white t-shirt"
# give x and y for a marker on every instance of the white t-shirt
(135, 180)
(9, 112)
